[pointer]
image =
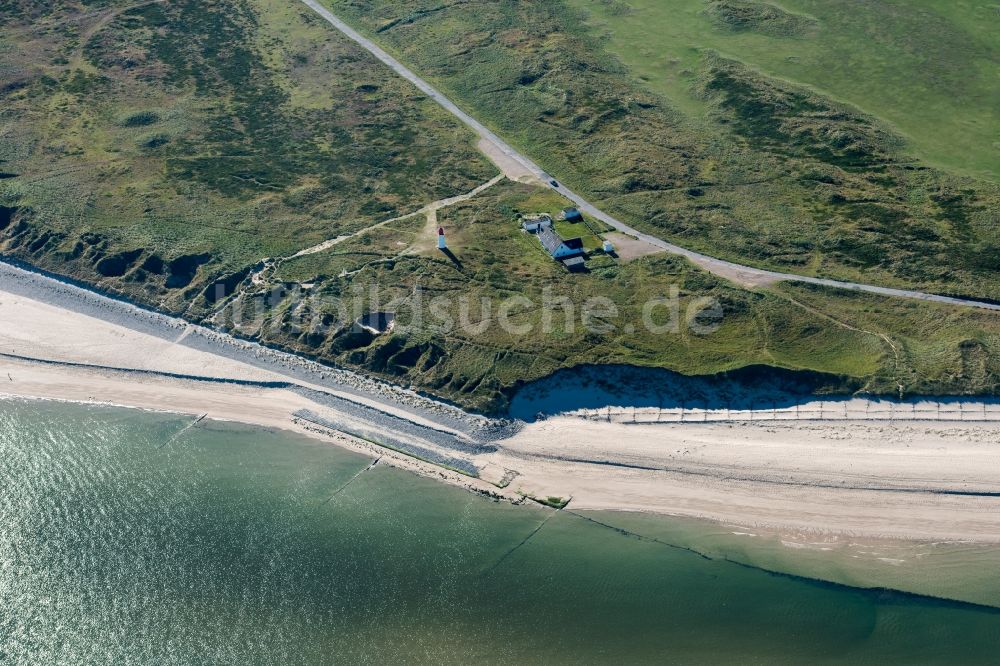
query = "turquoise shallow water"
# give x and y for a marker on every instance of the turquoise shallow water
(125, 538)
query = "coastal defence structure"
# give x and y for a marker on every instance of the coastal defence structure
(853, 409)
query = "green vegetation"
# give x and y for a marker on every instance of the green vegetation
(646, 108)
(181, 153)
(760, 17)
(856, 342)
(162, 147)
(927, 67)
(557, 503)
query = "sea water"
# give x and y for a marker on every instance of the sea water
(130, 537)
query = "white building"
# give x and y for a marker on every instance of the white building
(536, 223)
(558, 247)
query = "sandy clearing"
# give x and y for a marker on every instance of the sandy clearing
(511, 168)
(628, 248)
(426, 240)
(430, 210)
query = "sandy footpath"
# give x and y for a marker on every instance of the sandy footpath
(913, 480)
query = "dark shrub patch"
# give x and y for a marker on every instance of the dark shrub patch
(153, 264)
(780, 118)
(43, 241)
(118, 264)
(154, 141)
(225, 287)
(353, 339)
(407, 358)
(141, 119)
(6, 216)
(183, 269)
(742, 16)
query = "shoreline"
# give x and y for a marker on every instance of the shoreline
(270, 413)
(916, 480)
(884, 565)
(788, 509)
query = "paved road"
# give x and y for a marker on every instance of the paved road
(738, 273)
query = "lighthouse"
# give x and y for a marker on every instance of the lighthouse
(442, 244)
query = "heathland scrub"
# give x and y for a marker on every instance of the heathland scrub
(178, 179)
(925, 66)
(137, 158)
(868, 342)
(779, 175)
(741, 274)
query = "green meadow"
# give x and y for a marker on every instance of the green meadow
(927, 67)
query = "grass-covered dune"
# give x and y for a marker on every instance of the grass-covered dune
(854, 342)
(651, 109)
(157, 147)
(182, 153)
(926, 67)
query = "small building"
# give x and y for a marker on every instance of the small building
(574, 264)
(558, 247)
(572, 215)
(535, 223)
(442, 243)
(609, 248)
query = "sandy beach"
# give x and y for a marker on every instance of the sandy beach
(915, 480)
(922, 481)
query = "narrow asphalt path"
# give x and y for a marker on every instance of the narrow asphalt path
(746, 275)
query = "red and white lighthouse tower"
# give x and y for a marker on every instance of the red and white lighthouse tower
(442, 244)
